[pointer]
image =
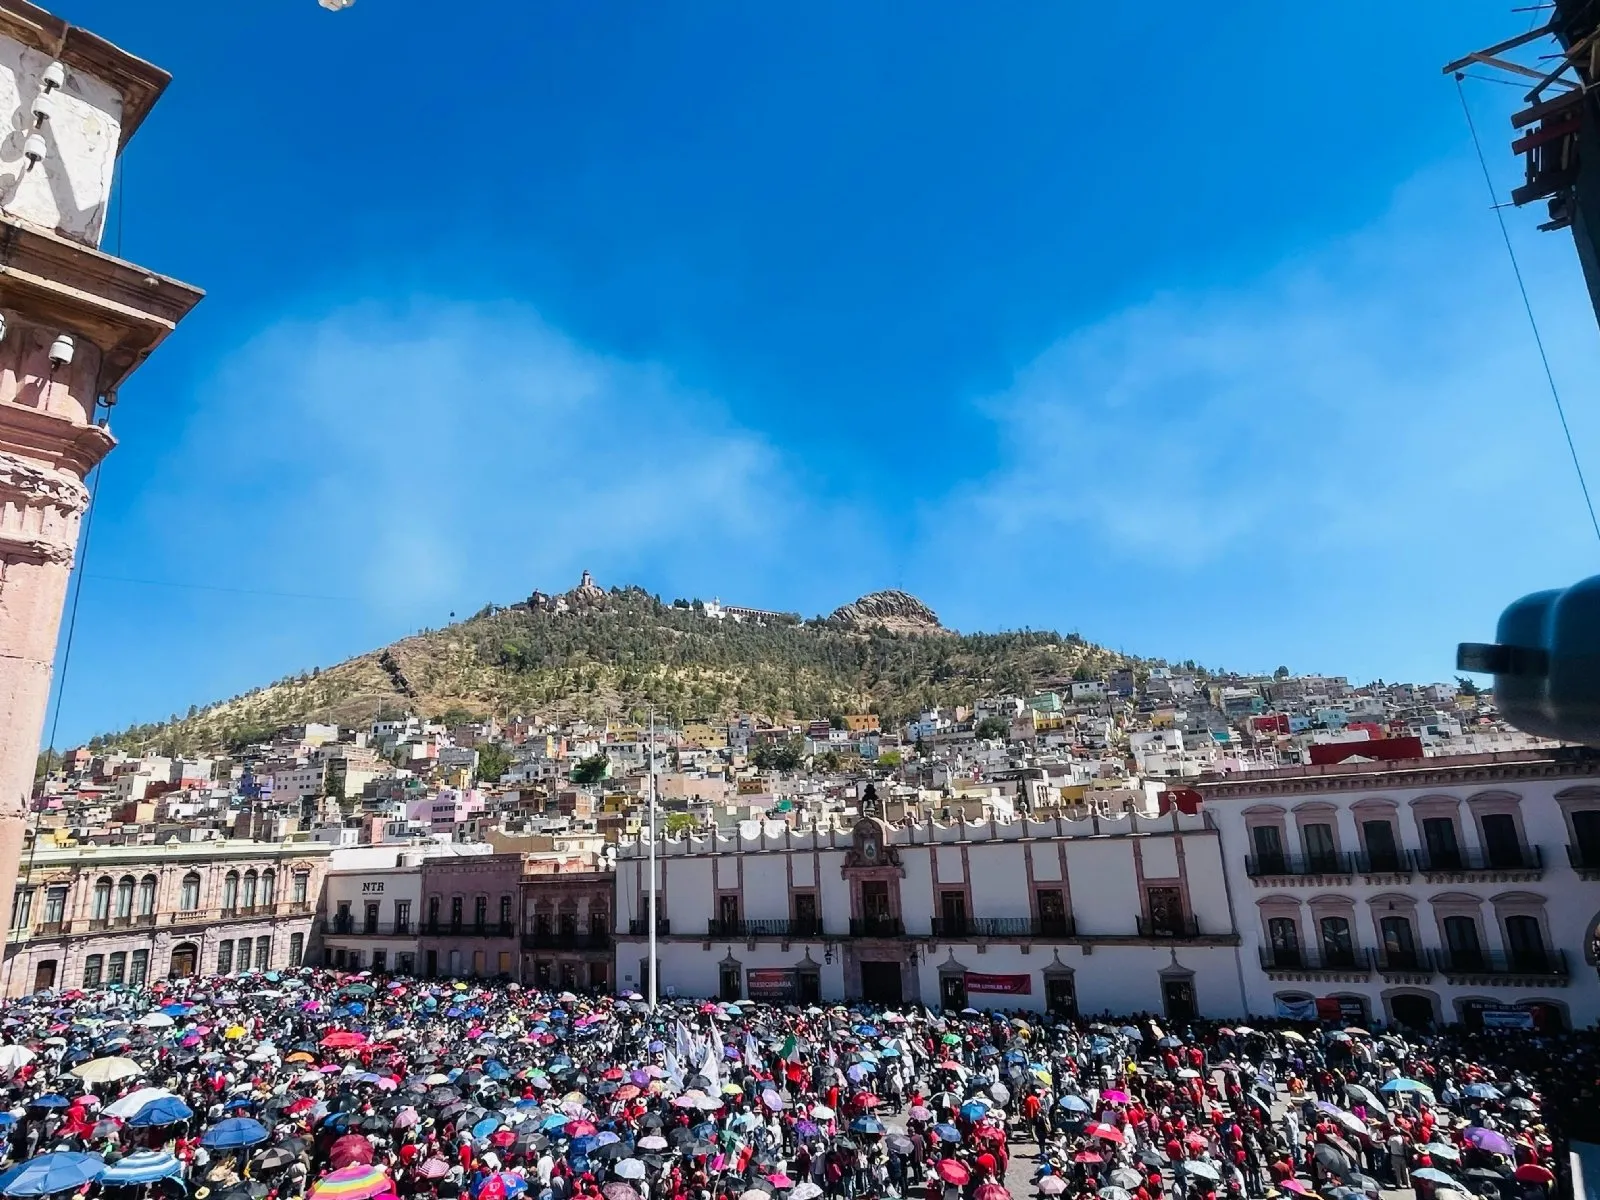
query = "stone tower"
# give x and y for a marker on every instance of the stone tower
(77, 323)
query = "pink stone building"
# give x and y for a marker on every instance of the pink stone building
(469, 916)
(91, 916)
(75, 323)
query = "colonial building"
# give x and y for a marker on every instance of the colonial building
(1101, 914)
(370, 917)
(75, 323)
(88, 916)
(566, 926)
(1440, 890)
(470, 916)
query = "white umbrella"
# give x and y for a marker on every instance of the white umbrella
(155, 1020)
(629, 1168)
(107, 1070)
(14, 1058)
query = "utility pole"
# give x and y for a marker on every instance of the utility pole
(651, 909)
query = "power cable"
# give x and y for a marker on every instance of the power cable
(1527, 305)
(66, 658)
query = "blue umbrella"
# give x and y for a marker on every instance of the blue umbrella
(1074, 1104)
(1482, 1091)
(1432, 1175)
(947, 1133)
(49, 1100)
(48, 1173)
(167, 1110)
(245, 1101)
(486, 1126)
(866, 1125)
(176, 1010)
(974, 1111)
(605, 1138)
(554, 1121)
(235, 1132)
(144, 1166)
(1402, 1084)
(656, 1047)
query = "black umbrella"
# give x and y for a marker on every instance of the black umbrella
(680, 1136)
(1333, 1159)
(275, 1159)
(610, 1152)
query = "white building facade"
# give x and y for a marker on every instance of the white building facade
(1095, 915)
(371, 911)
(1442, 890)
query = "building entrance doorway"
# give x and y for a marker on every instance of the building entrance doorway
(1060, 996)
(44, 975)
(880, 982)
(1178, 998)
(1412, 1011)
(184, 960)
(953, 991)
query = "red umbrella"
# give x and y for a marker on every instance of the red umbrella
(991, 1191)
(351, 1148)
(613, 1073)
(1086, 1156)
(576, 1129)
(344, 1039)
(987, 1162)
(1109, 1132)
(866, 1100)
(504, 1138)
(952, 1171)
(1534, 1173)
(627, 1091)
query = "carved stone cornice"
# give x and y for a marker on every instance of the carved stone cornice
(1532, 765)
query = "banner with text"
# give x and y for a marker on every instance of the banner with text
(1000, 985)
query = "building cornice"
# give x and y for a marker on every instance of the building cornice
(47, 857)
(1579, 766)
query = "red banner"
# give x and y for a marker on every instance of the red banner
(770, 983)
(1004, 985)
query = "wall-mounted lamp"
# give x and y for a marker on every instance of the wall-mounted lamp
(827, 953)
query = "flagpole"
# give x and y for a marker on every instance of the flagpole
(651, 916)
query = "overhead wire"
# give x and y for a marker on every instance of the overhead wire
(1527, 306)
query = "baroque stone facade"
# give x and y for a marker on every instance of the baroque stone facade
(76, 323)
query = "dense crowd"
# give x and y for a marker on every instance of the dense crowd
(350, 1088)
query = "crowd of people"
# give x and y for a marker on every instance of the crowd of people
(341, 1087)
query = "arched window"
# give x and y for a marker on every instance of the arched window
(263, 953)
(1461, 940)
(189, 894)
(100, 910)
(147, 896)
(1338, 945)
(269, 887)
(125, 896)
(230, 891)
(186, 955)
(1285, 935)
(249, 900)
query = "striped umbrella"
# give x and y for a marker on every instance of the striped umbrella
(358, 1181)
(146, 1166)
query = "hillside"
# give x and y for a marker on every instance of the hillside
(596, 654)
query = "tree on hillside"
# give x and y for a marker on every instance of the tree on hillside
(1281, 673)
(592, 769)
(777, 756)
(494, 760)
(993, 727)
(1465, 686)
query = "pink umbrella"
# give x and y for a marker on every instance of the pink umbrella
(1052, 1185)
(1114, 1096)
(1295, 1186)
(918, 1112)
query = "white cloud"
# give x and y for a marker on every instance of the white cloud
(439, 453)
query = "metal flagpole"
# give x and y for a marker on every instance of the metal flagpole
(651, 913)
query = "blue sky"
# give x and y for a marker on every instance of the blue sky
(1187, 329)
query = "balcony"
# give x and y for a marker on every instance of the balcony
(1409, 963)
(299, 908)
(983, 928)
(53, 928)
(1307, 962)
(1292, 866)
(1053, 928)
(877, 927)
(98, 923)
(781, 928)
(642, 928)
(333, 927)
(1585, 861)
(1508, 863)
(1535, 966)
(1185, 930)
(551, 940)
(1391, 863)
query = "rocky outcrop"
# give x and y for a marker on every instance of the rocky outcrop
(896, 611)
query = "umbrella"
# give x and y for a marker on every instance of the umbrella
(947, 1133)
(48, 1100)
(46, 1173)
(1074, 1103)
(805, 1190)
(434, 1168)
(130, 1104)
(1204, 1170)
(107, 1070)
(351, 1148)
(164, 1110)
(1333, 1159)
(1487, 1139)
(1402, 1084)
(1534, 1173)
(1441, 1150)
(629, 1168)
(234, 1132)
(144, 1166)
(275, 1158)
(1114, 1193)
(991, 1191)
(358, 1181)
(619, 1191)
(866, 1125)
(14, 1058)
(155, 1020)
(952, 1171)
(1052, 1185)
(1109, 1133)
(1482, 1091)
(1432, 1175)
(1126, 1177)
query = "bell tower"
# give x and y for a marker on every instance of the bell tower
(75, 323)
